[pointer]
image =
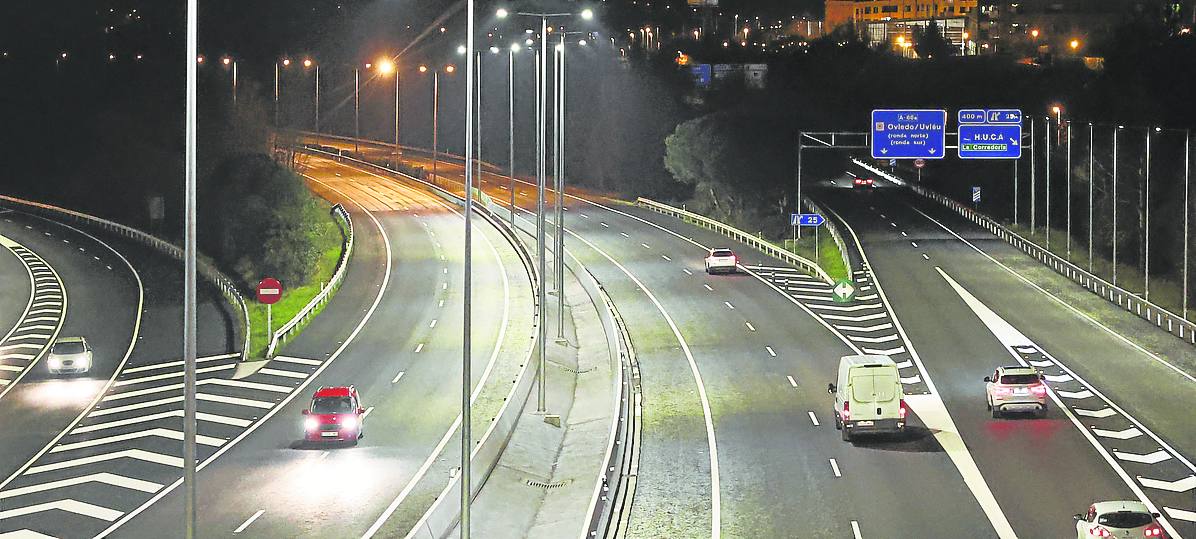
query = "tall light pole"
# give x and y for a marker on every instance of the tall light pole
(515, 47)
(1069, 190)
(559, 248)
(189, 284)
(1146, 228)
(1033, 183)
(1047, 219)
(542, 91)
(1187, 210)
(1091, 196)
(1115, 133)
(317, 104)
(466, 370)
(356, 108)
(436, 113)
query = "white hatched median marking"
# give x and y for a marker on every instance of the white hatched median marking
(846, 308)
(283, 373)
(71, 506)
(646, 246)
(624, 234)
(1180, 514)
(137, 406)
(708, 287)
(687, 272)
(160, 432)
(433, 324)
(166, 376)
(103, 477)
(874, 340)
(178, 363)
(1126, 434)
(813, 418)
(863, 318)
(855, 526)
(246, 524)
(750, 326)
(1103, 412)
(1058, 379)
(885, 352)
(235, 400)
(1082, 394)
(728, 304)
(835, 468)
(1151, 458)
(138, 454)
(1040, 364)
(905, 364)
(212, 418)
(866, 329)
(666, 257)
(1182, 485)
(911, 379)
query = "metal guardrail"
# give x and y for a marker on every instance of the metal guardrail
(765, 246)
(205, 269)
(280, 336)
(834, 231)
(1162, 318)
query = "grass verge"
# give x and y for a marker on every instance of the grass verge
(294, 299)
(827, 256)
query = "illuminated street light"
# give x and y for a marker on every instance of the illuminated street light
(587, 14)
(199, 59)
(1075, 44)
(307, 62)
(1034, 33)
(515, 47)
(582, 42)
(423, 69)
(502, 13)
(385, 66)
(286, 62)
(226, 60)
(460, 49)
(494, 49)
(450, 68)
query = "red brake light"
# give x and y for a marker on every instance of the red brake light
(1153, 531)
(846, 415)
(902, 411)
(1002, 390)
(1039, 389)
(1099, 532)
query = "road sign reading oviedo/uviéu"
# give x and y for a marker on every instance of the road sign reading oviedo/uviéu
(990, 134)
(909, 134)
(806, 219)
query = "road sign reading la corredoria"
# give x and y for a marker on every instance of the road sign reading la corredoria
(909, 134)
(269, 291)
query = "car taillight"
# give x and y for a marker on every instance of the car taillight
(901, 411)
(1099, 532)
(1153, 531)
(846, 415)
(1039, 389)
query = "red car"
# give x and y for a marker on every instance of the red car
(335, 415)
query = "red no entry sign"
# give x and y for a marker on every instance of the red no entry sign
(269, 291)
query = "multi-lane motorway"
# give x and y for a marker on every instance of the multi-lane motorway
(738, 437)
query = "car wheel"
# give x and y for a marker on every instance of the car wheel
(846, 435)
(996, 412)
(1042, 412)
(838, 424)
(708, 272)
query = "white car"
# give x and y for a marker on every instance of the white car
(1016, 389)
(721, 260)
(1118, 519)
(69, 355)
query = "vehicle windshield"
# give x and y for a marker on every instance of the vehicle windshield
(332, 405)
(722, 252)
(1125, 519)
(1019, 379)
(67, 348)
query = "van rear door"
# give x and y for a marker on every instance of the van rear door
(874, 394)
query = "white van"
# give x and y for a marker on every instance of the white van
(868, 396)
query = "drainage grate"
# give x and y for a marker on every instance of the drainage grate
(541, 484)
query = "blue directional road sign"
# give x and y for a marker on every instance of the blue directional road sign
(1004, 116)
(990, 141)
(806, 219)
(972, 116)
(909, 134)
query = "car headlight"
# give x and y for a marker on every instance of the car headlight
(55, 363)
(349, 422)
(311, 423)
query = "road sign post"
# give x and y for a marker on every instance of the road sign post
(269, 291)
(976, 197)
(909, 134)
(815, 220)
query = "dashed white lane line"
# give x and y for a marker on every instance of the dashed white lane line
(792, 382)
(914, 243)
(835, 468)
(397, 377)
(904, 235)
(687, 272)
(433, 324)
(624, 234)
(750, 326)
(444, 286)
(771, 352)
(855, 530)
(441, 303)
(666, 257)
(925, 256)
(813, 418)
(728, 304)
(419, 347)
(708, 287)
(604, 225)
(367, 412)
(255, 516)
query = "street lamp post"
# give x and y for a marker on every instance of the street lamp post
(1187, 210)
(466, 370)
(317, 104)
(1047, 219)
(1146, 228)
(515, 47)
(1069, 190)
(1114, 202)
(1033, 183)
(1091, 197)
(189, 282)
(356, 108)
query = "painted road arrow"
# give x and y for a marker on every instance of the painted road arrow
(1153, 458)
(1183, 485)
(1126, 434)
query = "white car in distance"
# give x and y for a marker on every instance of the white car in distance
(1016, 389)
(1118, 519)
(69, 355)
(721, 260)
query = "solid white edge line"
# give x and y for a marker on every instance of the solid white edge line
(286, 400)
(1009, 335)
(1056, 299)
(246, 524)
(931, 409)
(423, 469)
(107, 385)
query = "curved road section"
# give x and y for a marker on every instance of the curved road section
(39, 322)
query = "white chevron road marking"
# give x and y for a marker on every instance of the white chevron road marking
(160, 432)
(103, 477)
(1180, 514)
(874, 340)
(1152, 458)
(863, 318)
(139, 454)
(1103, 412)
(72, 506)
(1182, 485)
(865, 329)
(1082, 394)
(1126, 434)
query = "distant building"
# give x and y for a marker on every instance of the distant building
(1066, 27)
(891, 22)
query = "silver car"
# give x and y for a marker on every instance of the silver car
(69, 355)
(1118, 519)
(1016, 389)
